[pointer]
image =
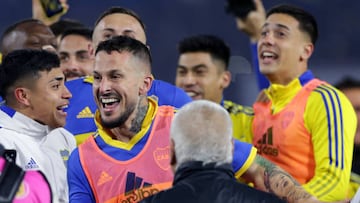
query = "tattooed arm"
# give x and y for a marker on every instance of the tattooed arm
(270, 178)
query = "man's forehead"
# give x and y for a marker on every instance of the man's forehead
(74, 37)
(120, 24)
(281, 20)
(117, 19)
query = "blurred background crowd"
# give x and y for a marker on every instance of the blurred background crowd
(336, 55)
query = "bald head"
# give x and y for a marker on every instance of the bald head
(202, 131)
(27, 34)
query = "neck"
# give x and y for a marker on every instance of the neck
(285, 77)
(133, 125)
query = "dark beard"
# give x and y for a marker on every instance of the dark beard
(136, 123)
(121, 120)
(356, 160)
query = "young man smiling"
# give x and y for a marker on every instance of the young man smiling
(32, 86)
(308, 126)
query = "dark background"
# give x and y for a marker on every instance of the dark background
(337, 52)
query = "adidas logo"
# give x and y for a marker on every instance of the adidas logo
(134, 182)
(104, 177)
(265, 144)
(267, 138)
(85, 113)
(31, 164)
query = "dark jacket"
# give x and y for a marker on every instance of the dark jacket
(194, 182)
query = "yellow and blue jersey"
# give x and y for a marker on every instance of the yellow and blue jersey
(241, 117)
(80, 114)
(331, 121)
(79, 187)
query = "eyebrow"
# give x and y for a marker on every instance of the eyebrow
(283, 26)
(124, 32)
(109, 29)
(63, 53)
(81, 52)
(109, 72)
(193, 67)
(58, 78)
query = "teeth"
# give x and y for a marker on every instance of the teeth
(110, 100)
(268, 54)
(191, 94)
(65, 107)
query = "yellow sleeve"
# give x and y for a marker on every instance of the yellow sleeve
(241, 117)
(331, 121)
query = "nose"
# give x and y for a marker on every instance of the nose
(104, 86)
(72, 65)
(66, 93)
(268, 39)
(189, 79)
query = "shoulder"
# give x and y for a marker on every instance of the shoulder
(168, 94)
(8, 138)
(79, 83)
(234, 108)
(62, 138)
(74, 158)
(328, 95)
(159, 86)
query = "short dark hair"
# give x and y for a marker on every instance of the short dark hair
(120, 10)
(307, 22)
(347, 83)
(84, 32)
(213, 45)
(125, 43)
(13, 27)
(60, 26)
(24, 64)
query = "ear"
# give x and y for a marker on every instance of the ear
(225, 79)
(148, 79)
(173, 161)
(307, 51)
(22, 96)
(91, 51)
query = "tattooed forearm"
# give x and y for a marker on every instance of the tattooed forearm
(281, 183)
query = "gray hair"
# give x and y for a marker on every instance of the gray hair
(202, 131)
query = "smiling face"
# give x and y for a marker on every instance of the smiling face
(48, 98)
(74, 56)
(119, 83)
(283, 49)
(201, 76)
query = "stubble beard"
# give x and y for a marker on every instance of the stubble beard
(136, 123)
(121, 119)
